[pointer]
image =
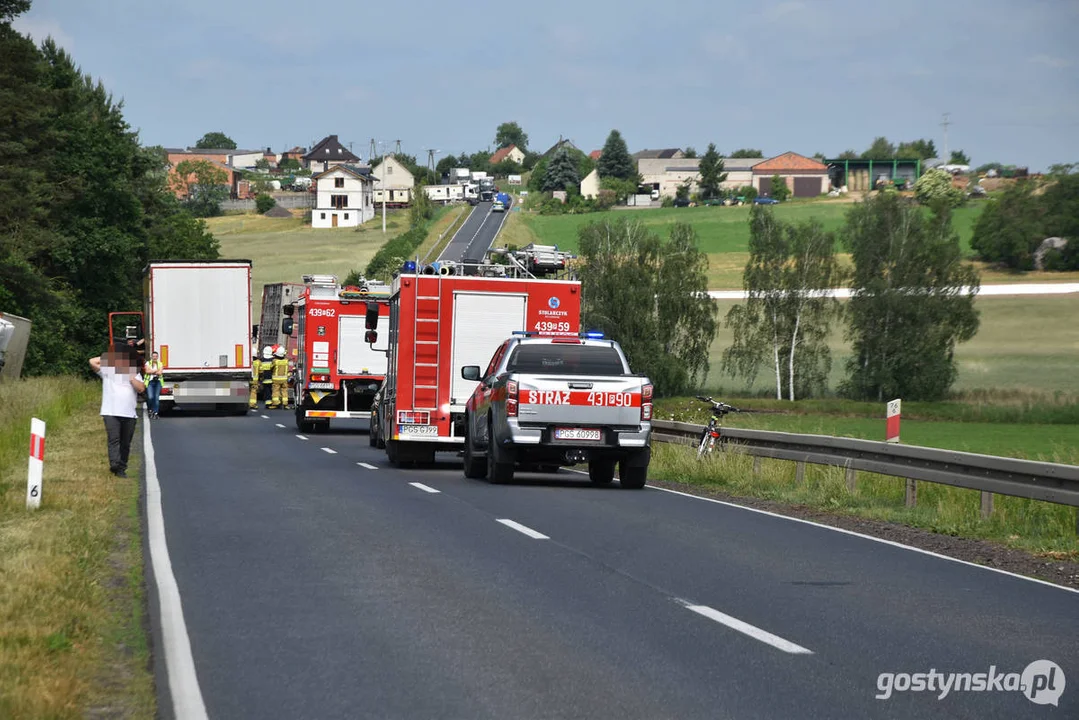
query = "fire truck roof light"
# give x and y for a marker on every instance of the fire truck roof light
(593, 335)
(409, 266)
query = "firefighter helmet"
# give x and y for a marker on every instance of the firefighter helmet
(267, 353)
(279, 352)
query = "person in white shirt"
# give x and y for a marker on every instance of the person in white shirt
(120, 388)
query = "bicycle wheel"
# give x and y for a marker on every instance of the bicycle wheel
(703, 447)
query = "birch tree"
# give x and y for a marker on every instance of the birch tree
(786, 317)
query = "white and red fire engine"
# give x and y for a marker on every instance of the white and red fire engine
(439, 324)
(337, 372)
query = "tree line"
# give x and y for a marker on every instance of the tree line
(83, 207)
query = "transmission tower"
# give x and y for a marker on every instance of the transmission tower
(947, 156)
(371, 152)
(397, 150)
(431, 159)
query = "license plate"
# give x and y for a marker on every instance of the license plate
(418, 430)
(589, 434)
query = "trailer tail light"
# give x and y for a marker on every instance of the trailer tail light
(320, 378)
(511, 398)
(646, 402)
(413, 417)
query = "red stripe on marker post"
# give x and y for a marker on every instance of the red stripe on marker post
(892, 423)
(37, 464)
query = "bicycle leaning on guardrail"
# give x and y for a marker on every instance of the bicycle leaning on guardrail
(711, 432)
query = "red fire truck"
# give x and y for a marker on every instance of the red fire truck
(337, 373)
(439, 324)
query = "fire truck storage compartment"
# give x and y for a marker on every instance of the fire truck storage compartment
(481, 322)
(354, 354)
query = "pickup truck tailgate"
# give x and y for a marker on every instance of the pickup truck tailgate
(579, 401)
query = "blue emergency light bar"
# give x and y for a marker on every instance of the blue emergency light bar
(590, 335)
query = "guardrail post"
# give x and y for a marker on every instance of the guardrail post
(912, 493)
(852, 479)
(756, 464)
(799, 473)
(987, 504)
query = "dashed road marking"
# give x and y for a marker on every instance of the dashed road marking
(423, 487)
(280, 425)
(265, 417)
(524, 530)
(751, 630)
(302, 437)
(331, 451)
(367, 465)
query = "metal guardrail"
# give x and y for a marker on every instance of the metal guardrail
(1049, 482)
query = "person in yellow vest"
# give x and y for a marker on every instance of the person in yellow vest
(279, 399)
(256, 367)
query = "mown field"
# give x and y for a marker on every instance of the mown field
(723, 233)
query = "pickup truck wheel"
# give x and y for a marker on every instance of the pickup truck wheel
(499, 470)
(633, 470)
(475, 464)
(601, 472)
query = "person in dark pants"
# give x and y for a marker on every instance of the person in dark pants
(120, 387)
(151, 375)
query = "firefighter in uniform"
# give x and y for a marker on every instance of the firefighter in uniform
(253, 402)
(280, 379)
(266, 375)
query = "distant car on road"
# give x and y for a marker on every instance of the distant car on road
(765, 201)
(681, 202)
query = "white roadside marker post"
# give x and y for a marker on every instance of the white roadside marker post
(37, 464)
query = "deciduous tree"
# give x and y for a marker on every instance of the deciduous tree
(959, 158)
(912, 302)
(779, 188)
(510, 133)
(746, 153)
(216, 140)
(650, 296)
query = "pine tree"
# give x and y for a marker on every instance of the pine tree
(615, 160)
(711, 170)
(561, 172)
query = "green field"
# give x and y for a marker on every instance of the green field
(284, 249)
(1023, 344)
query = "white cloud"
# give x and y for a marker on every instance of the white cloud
(1053, 62)
(40, 28)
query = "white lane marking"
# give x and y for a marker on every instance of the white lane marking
(751, 630)
(264, 417)
(423, 487)
(852, 533)
(179, 663)
(368, 466)
(302, 437)
(522, 529)
(331, 451)
(280, 425)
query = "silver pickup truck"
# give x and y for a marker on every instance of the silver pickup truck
(552, 401)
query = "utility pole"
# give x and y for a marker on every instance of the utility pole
(382, 185)
(947, 157)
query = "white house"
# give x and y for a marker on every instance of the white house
(344, 198)
(394, 180)
(511, 153)
(590, 185)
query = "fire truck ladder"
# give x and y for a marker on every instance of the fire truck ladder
(436, 324)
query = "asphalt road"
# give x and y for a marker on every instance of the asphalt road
(475, 235)
(320, 584)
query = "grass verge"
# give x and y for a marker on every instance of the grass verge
(72, 637)
(440, 234)
(1042, 528)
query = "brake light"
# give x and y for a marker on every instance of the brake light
(511, 398)
(646, 402)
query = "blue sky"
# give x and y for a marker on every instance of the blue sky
(809, 76)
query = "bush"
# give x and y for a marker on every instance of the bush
(936, 186)
(606, 199)
(391, 256)
(748, 192)
(263, 203)
(667, 202)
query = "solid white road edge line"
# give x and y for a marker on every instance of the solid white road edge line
(368, 466)
(852, 533)
(525, 530)
(183, 682)
(331, 451)
(302, 437)
(423, 487)
(280, 425)
(856, 534)
(751, 630)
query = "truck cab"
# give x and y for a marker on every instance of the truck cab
(554, 401)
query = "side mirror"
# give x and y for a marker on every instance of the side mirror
(288, 310)
(371, 318)
(370, 337)
(286, 326)
(471, 372)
